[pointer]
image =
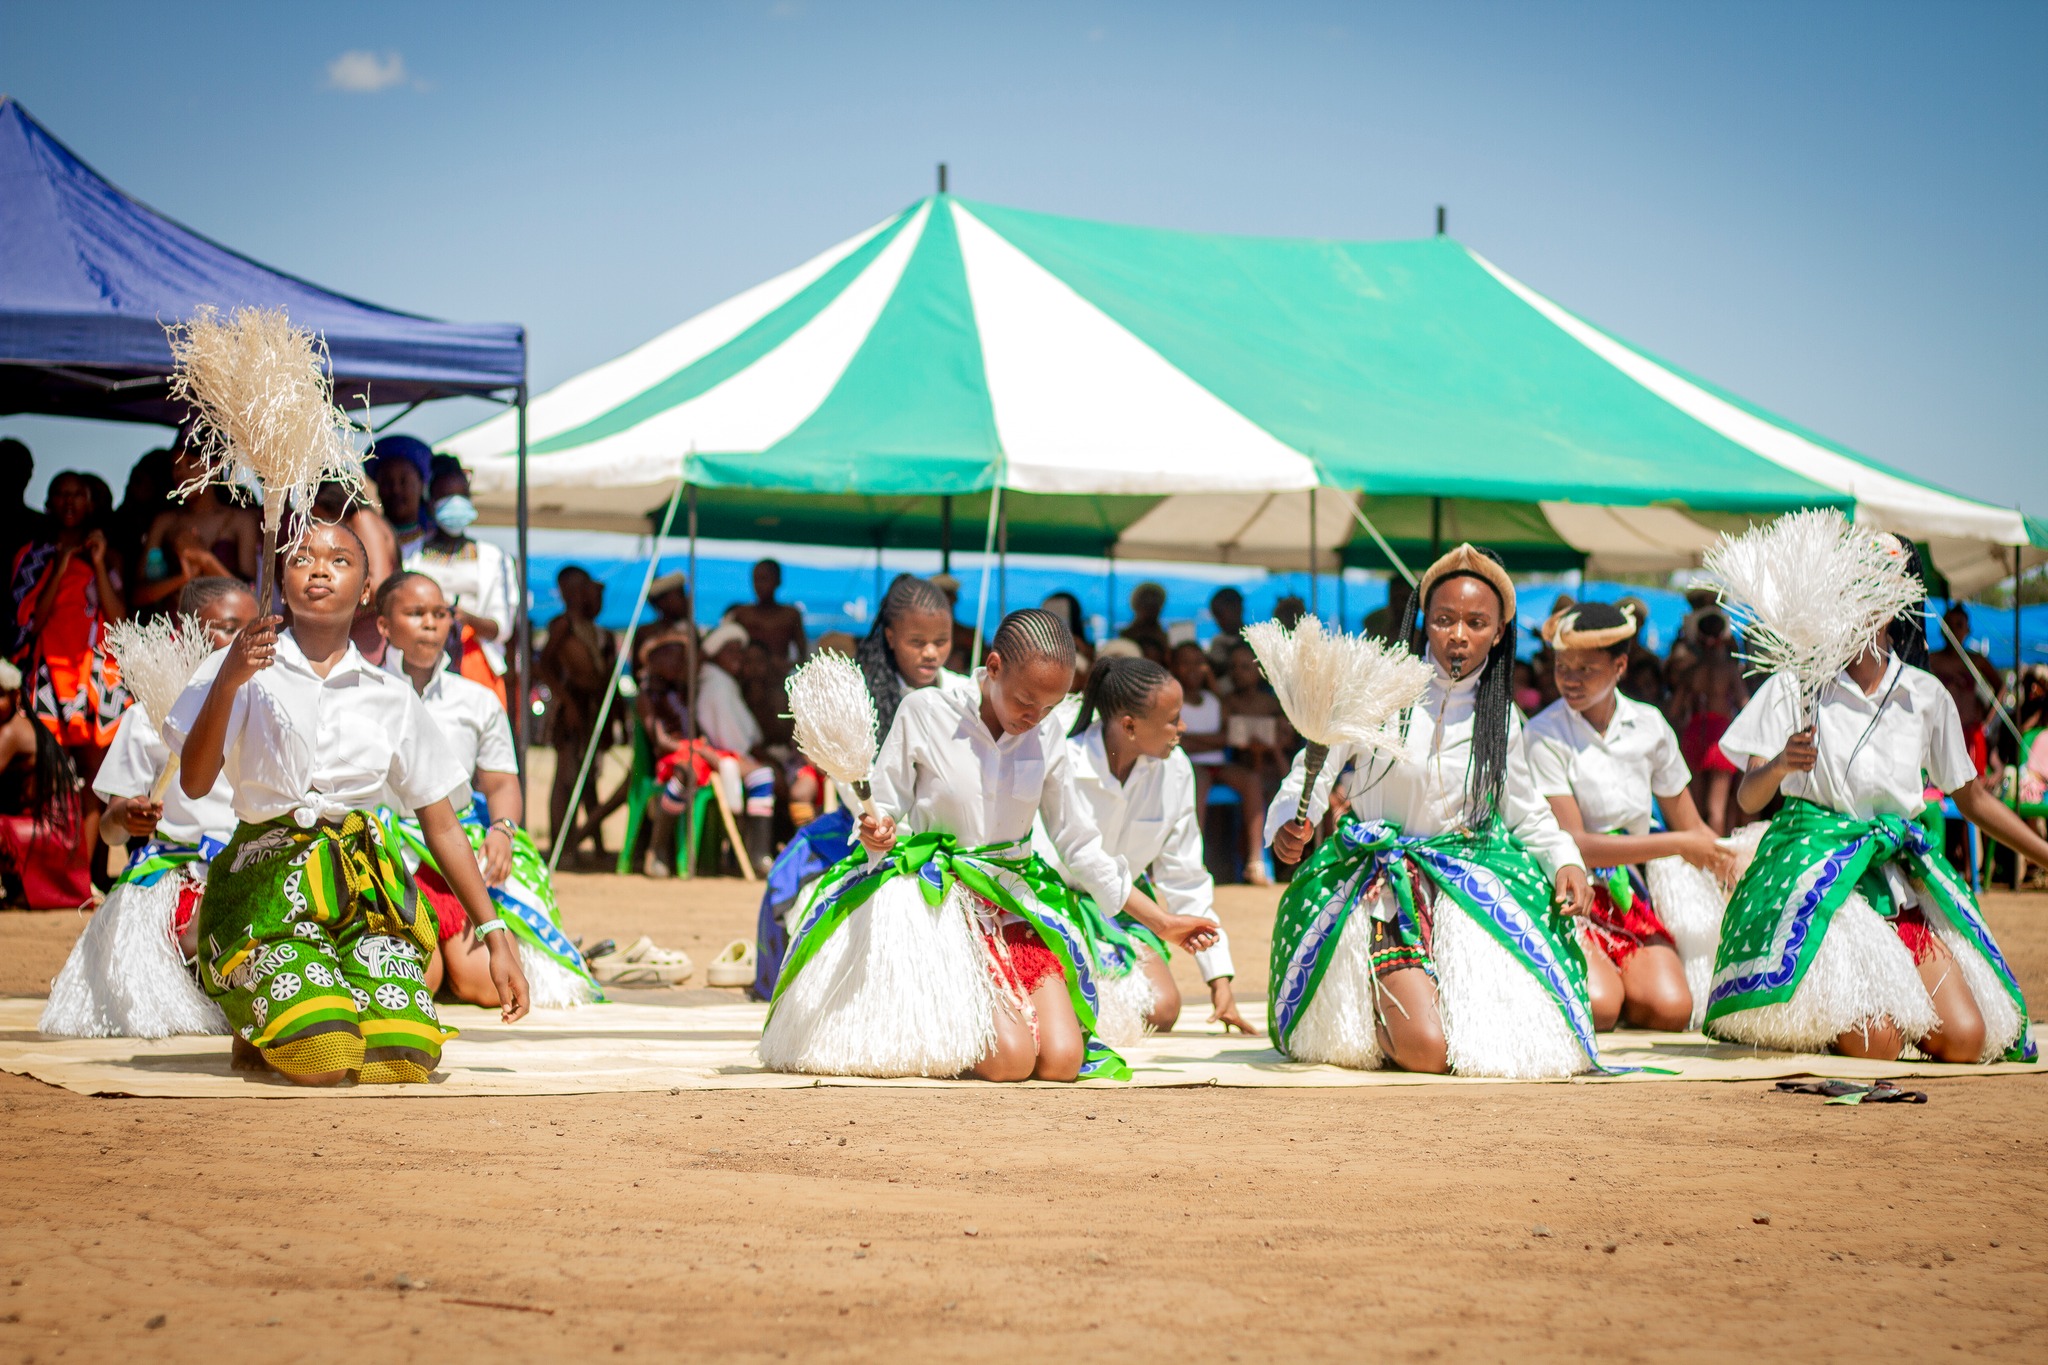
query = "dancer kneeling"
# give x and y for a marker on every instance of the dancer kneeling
(414, 616)
(947, 947)
(1604, 761)
(1851, 930)
(1125, 756)
(1422, 933)
(126, 976)
(313, 937)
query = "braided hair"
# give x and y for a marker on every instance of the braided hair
(57, 784)
(1489, 770)
(390, 586)
(1118, 686)
(201, 593)
(1032, 634)
(877, 661)
(1908, 630)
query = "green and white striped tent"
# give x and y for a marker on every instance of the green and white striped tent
(1178, 395)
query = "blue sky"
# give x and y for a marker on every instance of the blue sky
(1834, 209)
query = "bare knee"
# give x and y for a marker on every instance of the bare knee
(1664, 1010)
(1165, 997)
(1421, 1047)
(1879, 1041)
(1060, 1056)
(1959, 1039)
(1008, 1060)
(1604, 994)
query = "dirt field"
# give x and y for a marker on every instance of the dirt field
(1505, 1222)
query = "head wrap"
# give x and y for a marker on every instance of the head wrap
(723, 634)
(410, 449)
(1564, 631)
(668, 583)
(1466, 559)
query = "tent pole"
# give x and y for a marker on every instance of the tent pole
(946, 534)
(1340, 594)
(1315, 598)
(1003, 564)
(1109, 598)
(522, 708)
(689, 872)
(1436, 529)
(557, 839)
(2016, 569)
(988, 547)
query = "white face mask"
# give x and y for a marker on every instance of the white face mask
(455, 514)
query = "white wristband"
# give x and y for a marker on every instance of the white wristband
(489, 927)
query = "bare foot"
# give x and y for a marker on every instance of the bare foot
(247, 1057)
(1255, 873)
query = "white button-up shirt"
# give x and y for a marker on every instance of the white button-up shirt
(940, 771)
(1423, 790)
(1874, 747)
(471, 719)
(311, 748)
(1149, 821)
(135, 760)
(1613, 775)
(723, 716)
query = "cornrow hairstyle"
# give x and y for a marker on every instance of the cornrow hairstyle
(1489, 770)
(1032, 634)
(1908, 630)
(1119, 686)
(877, 661)
(395, 582)
(202, 593)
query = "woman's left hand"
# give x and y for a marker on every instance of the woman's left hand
(1574, 892)
(497, 857)
(96, 548)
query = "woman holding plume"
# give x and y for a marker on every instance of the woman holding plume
(946, 947)
(1432, 931)
(1850, 930)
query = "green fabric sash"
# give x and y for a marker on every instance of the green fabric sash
(1008, 876)
(1486, 873)
(1808, 862)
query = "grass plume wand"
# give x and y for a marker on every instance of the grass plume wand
(1337, 689)
(262, 408)
(835, 722)
(156, 659)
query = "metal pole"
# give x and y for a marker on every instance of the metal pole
(946, 534)
(1109, 616)
(1003, 561)
(1436, 528)
(522, 707)
(988, 546)
(1314, 597)
(2016, 565)
(696, 664)
(942, 177)
(1439, 220)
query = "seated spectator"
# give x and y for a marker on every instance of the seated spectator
(961, 660)
(576, 665)
(1067, 607)
(202, 535)
(1145, 631)
(669, 595)
(400, 467)
(1289, 610)
(476, 577)
(1704, 700)
(1226, 609)
(1201, 712)
(44, 857)
(1260, 746)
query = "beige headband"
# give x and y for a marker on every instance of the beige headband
(1562, 631)
(1465, 559)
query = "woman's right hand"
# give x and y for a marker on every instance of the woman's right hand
(252, 651)
(141, 816)
(1188, 932)
(1800, 754)
(1290, 841)
(878, 834)
(1704, 851)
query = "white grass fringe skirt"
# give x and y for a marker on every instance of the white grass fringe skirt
(550, 985)
(1498, 1019)
(1691, 904)
(1861, 975)
(125, 977)
(900, 990)
(1123, 1006)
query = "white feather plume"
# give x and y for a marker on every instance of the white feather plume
(157, 658)
(1338, 688)
(835, 717)
(263, 407)
(1811, 591)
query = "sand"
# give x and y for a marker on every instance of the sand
(826, 1224)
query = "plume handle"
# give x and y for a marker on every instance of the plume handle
(1312, 759)
(163, 781)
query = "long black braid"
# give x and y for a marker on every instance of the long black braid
(1032, 634)
(57, 784)
(1489, 770)
(1908, 630)
(1119, 686)
(877, 661)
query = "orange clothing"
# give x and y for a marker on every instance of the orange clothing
(74, 685)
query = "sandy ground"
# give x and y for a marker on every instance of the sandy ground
(1490, 1222)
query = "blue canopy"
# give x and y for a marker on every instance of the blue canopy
(88, 277)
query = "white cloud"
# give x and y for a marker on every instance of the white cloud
(363, 72)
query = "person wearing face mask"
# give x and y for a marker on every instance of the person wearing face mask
(1125, 756)
(476, 576)
(946, 947)
(904, 650)
(1433, 931)
(126, 976)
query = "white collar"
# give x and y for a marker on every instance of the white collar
(394, 664)
(1851, 690)
(292, 656)
(1620, 721)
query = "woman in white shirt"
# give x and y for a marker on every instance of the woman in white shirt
(126, 976)
(414, 617)
(1605, 761)
(1423, 933)
(313, 937)
(1124, 756)
(1850, 929)
(950, 948)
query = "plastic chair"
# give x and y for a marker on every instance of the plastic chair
(1935, 821)
(641, 789)
(2026, 810)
